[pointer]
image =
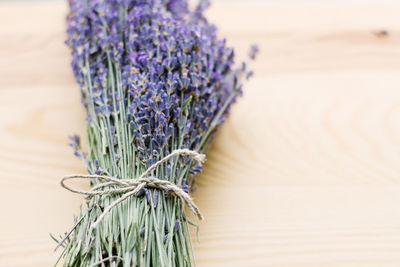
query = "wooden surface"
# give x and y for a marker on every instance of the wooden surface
(305, 173)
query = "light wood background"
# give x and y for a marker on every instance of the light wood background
(306, 172)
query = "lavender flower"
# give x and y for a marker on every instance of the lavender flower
(154, 77)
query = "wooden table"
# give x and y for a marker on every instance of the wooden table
(305, 173)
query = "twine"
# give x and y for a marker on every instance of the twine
(130, 187)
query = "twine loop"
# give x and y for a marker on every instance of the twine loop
(130, 187)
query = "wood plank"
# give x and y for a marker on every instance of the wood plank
(304, 173)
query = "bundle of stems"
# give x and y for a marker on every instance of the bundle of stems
(154, 78)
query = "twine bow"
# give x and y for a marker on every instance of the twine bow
(130, 187)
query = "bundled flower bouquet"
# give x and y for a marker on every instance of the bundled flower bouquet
(156, 82)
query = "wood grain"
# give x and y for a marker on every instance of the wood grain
(304, 173)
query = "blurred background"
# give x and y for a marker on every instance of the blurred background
(304, 173)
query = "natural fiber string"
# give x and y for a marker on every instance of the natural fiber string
(130, 187)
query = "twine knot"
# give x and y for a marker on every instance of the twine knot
(130, 187)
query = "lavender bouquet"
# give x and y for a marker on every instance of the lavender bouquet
(156, 82)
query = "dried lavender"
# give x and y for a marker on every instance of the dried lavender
(154, 78)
